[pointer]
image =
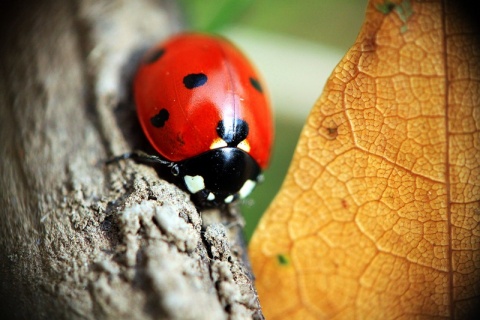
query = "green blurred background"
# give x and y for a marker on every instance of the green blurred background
(295, 45)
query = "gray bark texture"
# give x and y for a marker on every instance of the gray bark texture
(79, 239)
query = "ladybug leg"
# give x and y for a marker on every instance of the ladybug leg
(143, 157)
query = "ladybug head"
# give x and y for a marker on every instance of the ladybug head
(218, 176)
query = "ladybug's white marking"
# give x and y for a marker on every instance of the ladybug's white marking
(229, 199)
(211, 197)
(194, 184)
(246, 188)
(218, 143)
(244, 145)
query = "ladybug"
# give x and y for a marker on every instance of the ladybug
(205, 110)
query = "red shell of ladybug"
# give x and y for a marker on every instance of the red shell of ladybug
(191, 82)
(196, 93)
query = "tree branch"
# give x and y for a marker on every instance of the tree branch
(79, 239)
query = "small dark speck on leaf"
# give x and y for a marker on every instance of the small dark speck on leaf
(385, 7)
(332, 132)
(282, 260)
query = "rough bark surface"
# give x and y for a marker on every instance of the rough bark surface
(78, 239)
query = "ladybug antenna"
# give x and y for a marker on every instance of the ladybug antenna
(143, 157)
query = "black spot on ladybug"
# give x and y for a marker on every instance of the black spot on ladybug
(194, 80)
(154, 56)
(256, 84)
(232, 132)
(159, 119)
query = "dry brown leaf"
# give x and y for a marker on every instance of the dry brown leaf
(379, 215)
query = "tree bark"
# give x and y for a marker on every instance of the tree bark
(78, 239)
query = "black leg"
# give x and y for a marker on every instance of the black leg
(142, 157)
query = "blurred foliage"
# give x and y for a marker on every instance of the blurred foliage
(332, 22)
(213, 15)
